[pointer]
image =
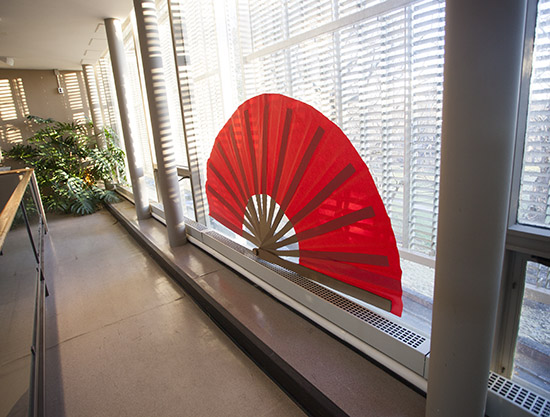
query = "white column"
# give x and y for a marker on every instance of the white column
(151, 56)
(483, 55)
(133, 151)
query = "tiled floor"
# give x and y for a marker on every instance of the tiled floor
(324, 374)
(124, 340)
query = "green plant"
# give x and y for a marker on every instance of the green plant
(71, 169)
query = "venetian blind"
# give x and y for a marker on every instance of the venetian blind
(109, 108)
(375, 69)
(138, 100)
(171, 82)
(109, 104)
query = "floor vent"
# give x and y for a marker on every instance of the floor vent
(395, 330)
(518, 395)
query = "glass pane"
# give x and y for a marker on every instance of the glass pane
(138, 100)
(377, 74)
(266, 21)
(111, 116)
(347, 7)
(534, 198)
(109, 104)
(312, 74)
(199, 64)
(170, 78)
(187, 198)
(374, 104)
(305, 15)
(418, 293)
(532, 358)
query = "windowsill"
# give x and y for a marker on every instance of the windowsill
(529, 239)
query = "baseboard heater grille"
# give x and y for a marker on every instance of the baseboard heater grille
(400, 333)
(407, 349)
(527, 403)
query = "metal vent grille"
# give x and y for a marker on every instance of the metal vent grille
(390, 328)
(518, 395)
(195, 225)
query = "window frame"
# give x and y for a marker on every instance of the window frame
(331, 28)
(524, 243)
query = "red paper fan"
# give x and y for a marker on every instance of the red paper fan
(287, 179)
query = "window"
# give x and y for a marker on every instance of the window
(532, 355)
(534, 197)
(522, 350)
(109, 106)
(107, 94)
(141, 111)
(373, 68)
(531, 358)
(174, 105)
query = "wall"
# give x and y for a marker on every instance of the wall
(24, 92)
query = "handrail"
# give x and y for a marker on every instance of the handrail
(10, 209)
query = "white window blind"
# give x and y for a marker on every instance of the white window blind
(203, 69)
(373, 67)
(267, 23)
(349, 7)
(380, 78)
(312, 75)
(303, 15)
(109, 104)
(534, 198)
(373, 93)
(109, 107)
(171, 82)
(427, 26)
(138, 101)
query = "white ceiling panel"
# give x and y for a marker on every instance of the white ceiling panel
(55, 34)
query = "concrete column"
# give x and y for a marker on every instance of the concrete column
(95, 103)
(483, 55)
(133, 150)
(151, 56)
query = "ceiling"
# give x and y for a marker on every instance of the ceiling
(55, 34)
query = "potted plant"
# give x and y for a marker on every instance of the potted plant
(71, 169)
